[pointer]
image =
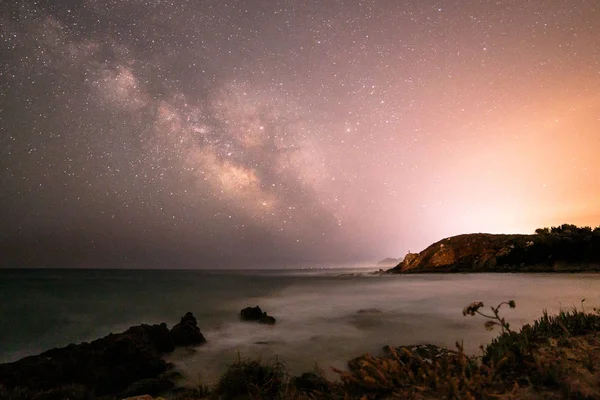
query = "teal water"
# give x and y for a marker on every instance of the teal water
(44, 308)
(318, 312)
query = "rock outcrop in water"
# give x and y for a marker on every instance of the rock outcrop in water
(256, 314)
(562, 249)
(186, 332)
(129, 362)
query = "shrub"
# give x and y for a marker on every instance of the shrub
(553, 354)
(253, 379)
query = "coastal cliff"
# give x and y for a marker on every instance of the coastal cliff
(567, 248)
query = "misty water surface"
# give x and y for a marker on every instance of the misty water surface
(319, 318)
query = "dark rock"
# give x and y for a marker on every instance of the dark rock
(310, 382)
(251, 314)
(186, 332)
(256, 314)
(161, 338)
(105, 366)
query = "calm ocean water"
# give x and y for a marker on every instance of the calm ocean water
(318, 318)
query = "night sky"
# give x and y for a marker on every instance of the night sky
(183, 134)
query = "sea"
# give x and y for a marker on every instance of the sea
(325, 317)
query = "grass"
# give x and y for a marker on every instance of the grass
(247, 379)
(548, 352)
(253, 379)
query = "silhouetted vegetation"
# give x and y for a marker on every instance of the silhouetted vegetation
(557, 246)
(253, 379)
(567, 244)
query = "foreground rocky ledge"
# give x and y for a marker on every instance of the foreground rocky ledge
(559, 249)
(129, 363)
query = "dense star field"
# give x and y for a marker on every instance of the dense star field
(151, 133)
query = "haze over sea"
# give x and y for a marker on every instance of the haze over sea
(317, 311)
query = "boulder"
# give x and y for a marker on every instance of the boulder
(251, 314)
(256, 314)
(186, 332)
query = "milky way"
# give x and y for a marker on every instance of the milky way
(151, 133)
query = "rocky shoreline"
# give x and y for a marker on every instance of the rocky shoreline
(516, 365)
(130, 365)
(119, 365)
(127, 363)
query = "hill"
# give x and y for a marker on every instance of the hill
(566, 248)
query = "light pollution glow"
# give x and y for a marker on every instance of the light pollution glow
(272, 132)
